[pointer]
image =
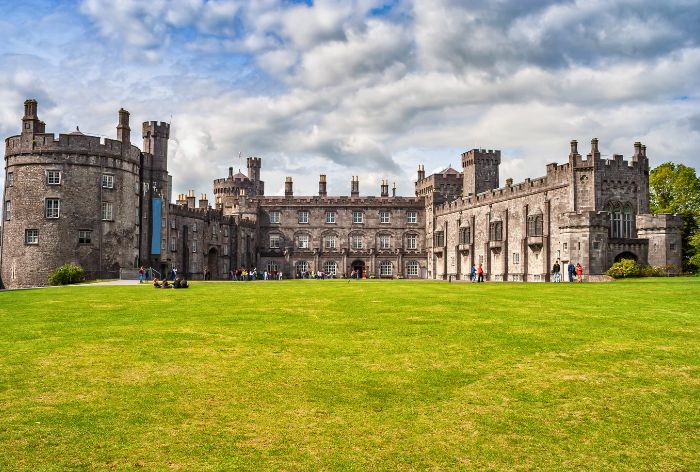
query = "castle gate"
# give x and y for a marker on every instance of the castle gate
(212, 264)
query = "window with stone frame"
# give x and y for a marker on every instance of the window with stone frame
(31, 236)
(439, 239)
(411, 217)
(303, 241)
(163, 244)
(357, 217)
(329, 241)
(53, 177)
(621, 220)
(194, 245)
(465, 235)
(386, 269)
(272, 266)
(534, 225)
(496, 231)
(330, 217)
(53, 207)
(225, 249)
(10, 179)
(330, 267)
(194, 227)
(303, 217)
(274, 217)
(107, 181)
(412, 269)
(301, 266)
(356, 241)
(8, 210)
(384, 241)
(173, 244)
(85, 236)
(384, 217)
(411, 241)
(275, 240)
(516, 258)
(107, 211)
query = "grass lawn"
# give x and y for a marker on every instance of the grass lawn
(300, 375)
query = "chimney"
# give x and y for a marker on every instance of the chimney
(355, 186)
(288, 189)
(644, 150)
(421, 172)
(230, 171)
(594, 148)
(322, 185)
(191, 199)
(509, 180)
(574, 147)
(393, 190)
(181, 200)
(637, 149)
(384, 189)
(203, 202)
(123, 130)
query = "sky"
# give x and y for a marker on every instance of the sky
(360, 87)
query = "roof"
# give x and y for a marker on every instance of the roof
(239, 176)
(449, 171)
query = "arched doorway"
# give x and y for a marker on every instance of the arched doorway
(212, 264)
(359, 267)
(626, 255)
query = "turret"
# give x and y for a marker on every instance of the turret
(355, 186)
(480, 170)
(322, 186)
(123, 130)
(155, 142)
(288, 187)
(30, 121)
(254, 165)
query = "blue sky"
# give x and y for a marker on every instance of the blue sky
(365, 87)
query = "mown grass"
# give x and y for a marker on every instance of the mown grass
(300, 375)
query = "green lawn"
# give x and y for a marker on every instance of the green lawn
(300, 375)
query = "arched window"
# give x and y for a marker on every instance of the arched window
(272, 267)
(412, 269)
(329, 241)
(385, 269)
(301, 266)
(627, 222)
(621, 220)
(330, 267)
(534, 225)
(465, 235)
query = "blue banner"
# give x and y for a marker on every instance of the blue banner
(156, 210)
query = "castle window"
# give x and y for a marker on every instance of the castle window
(107, 214)
(194, 227)
(412, 269)
(627, 222)
(272, 267)
(31, 236)
(439, 239)
(10, 179)
(225, 231)
(163, 245)
(411, 217)
(411, 241)
(356, 241)
(465, 235)
(496, 231)
(173, 244)
(330, 267)
(274, 241)
(621, 225)
(301, 267)
(53, 206)
(481, 259)
(172, 223)
(384, 217)
(53, 177)
(357, 217)
(303, 217)
(384, 242)
(329, 241)
(84, 236)
(274, 217)
(386, 269)
(162, 223)
(8, 210)
(194, 245)
(107, 181)
(534, 225)
(225, 249)
(330, 217)
(303, 241)
(516, 258)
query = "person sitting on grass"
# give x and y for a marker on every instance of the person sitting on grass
(180, 282)
(156, 282)
(166, 284)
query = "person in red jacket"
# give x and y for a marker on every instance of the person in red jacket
(579, 272)
(480, 274)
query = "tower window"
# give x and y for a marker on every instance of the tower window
(303, 217)
(31, 236)
(274, 217)
(84, 236)
(8, 210)
(53, 177)
(411, 217)
(53, 206)
(10, 179)
(107, 181)
(107, 213)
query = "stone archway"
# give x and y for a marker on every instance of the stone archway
(626, 255)
(212, 264)
(359, 266)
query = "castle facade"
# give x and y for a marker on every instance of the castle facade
(107, 205)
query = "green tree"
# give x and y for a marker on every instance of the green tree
(675, 188)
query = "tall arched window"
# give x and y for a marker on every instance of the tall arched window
(627, 222)
(385, 269)
(621, 220)
(302, 266)
(330, 267)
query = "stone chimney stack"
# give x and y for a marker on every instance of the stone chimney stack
(393, 190)
(181, 200)
(594, 148)
(384, 189)
(355, 186)
(509, 181)
(421, 172)
(230, 171)
(203, 202)
(288, 187)
(574, 148)
(191, 199)
(322, 185)
(123, 130)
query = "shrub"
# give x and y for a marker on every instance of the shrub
(67, 274)
(649, 271)
(624, 269)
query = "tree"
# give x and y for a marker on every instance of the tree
(675, 188)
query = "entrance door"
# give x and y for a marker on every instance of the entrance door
(212, 264)
(359, 268)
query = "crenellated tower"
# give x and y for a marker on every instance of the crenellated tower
(480, 168)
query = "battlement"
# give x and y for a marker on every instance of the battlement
(156, 128)
(489, 156)
(338, 201)
(662, 222)
(46, 143)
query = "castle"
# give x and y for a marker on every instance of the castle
(107, 206)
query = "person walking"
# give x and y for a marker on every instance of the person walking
(556, 272)
(142, 274)
(480, 273)
(473, 273)
(572, 271)
(579, 272)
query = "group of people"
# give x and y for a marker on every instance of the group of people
(575, 272)
(254, 274)
(477, 273)
(179, 282)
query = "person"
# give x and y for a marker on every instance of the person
(156, 282)
(579, 272)
(166, 284)
(480, 273)
(556, 271)
(174, 272)
(572, 271)
(206, 273)
(142, 274)
(473, 273)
